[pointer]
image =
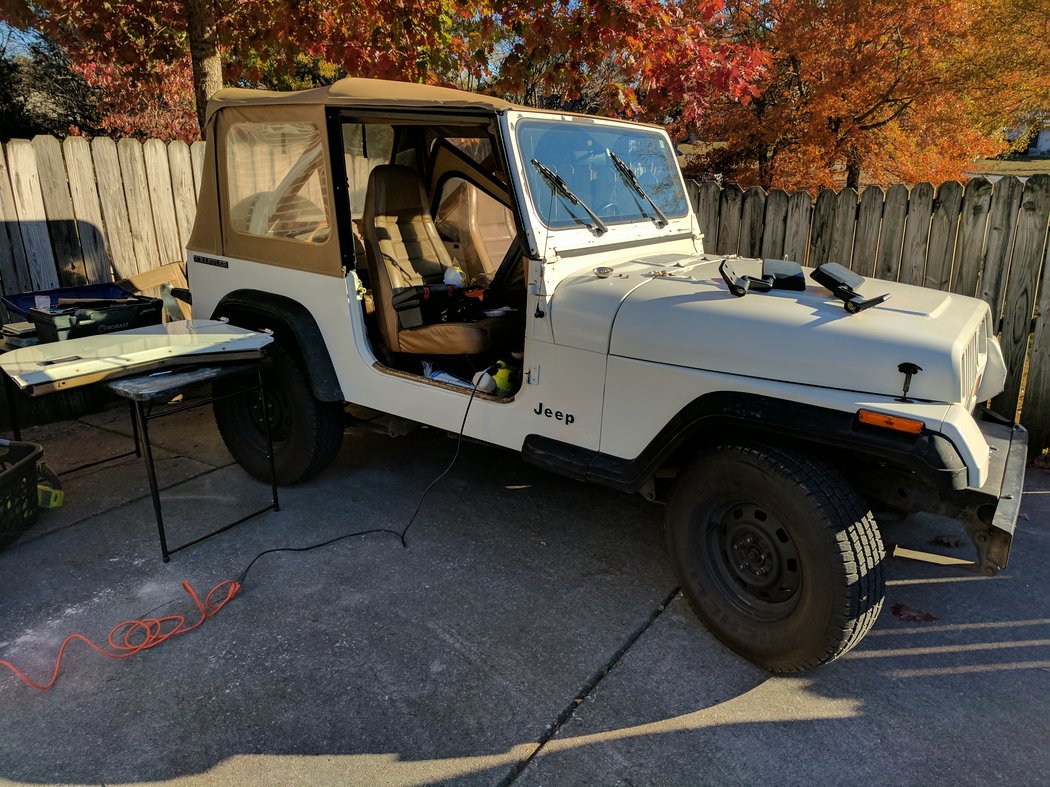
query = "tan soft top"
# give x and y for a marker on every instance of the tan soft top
(356, 92)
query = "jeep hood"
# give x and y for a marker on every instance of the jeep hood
(677, 310)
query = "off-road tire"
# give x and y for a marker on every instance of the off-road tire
(307, 433)
(777, 555)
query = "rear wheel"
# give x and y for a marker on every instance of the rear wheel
(777, 555)
(307, 433)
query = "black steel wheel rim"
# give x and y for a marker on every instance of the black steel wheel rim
(277, 411)
(752, 558)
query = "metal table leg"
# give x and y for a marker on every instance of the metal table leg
(142, 433)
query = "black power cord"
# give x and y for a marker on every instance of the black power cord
(402, 535)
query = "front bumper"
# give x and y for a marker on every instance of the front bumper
(990, 513)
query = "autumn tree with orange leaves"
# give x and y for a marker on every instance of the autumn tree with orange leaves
(879, 90)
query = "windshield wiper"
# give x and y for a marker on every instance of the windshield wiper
(660, 219)
(559, 186)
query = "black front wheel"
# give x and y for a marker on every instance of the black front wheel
(307, 433)
(777, 555)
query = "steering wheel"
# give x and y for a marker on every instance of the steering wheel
(608, 209)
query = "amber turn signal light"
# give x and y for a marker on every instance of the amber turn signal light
(894, 422)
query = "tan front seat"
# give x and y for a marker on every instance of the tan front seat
(403, 250)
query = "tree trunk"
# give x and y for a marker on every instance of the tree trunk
(853, 162)
(203, 33)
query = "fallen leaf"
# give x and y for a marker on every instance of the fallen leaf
(948, 540)
(909, 615)
(1024, 516)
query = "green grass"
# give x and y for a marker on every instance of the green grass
(1020, 166)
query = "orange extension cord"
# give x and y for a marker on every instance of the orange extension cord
(134, 636)
(152, 630)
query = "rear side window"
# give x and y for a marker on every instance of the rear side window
(366, 146)
(275, 175)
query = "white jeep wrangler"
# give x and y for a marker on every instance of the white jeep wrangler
(400, 240)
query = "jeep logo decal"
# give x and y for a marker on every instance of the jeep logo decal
(557, 415)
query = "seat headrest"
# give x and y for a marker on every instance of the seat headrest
(394, 188)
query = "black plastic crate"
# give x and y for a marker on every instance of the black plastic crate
(18, 495)
(90, 318)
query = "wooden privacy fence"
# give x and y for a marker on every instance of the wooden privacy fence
(983, 239)
(75, 211)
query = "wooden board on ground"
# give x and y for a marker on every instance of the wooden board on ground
(158, 283)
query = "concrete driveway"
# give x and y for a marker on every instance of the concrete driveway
(530, 633)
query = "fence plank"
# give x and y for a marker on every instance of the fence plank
(973, 223)
(197, 150)
(14, 267)
(823, 226)
(891, 236)
(944, 226)
(32, 219)
(162, 204)
(796, 236)
(1020, 294)
(182, 190)
(916, 234)
(86, 208)
(866, 240)
(136, 189)
(844, 228)
(730, 206)
(1036, 414)
(751, 218)
(58, 207)
(775, 224)
(1002, 218)
(707, 197)
(114, 206)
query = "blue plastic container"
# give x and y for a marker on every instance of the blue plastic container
(22, 302)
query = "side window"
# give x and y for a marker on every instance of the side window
(366, 146)
(276, 179)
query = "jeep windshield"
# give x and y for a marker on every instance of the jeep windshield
(583, 156)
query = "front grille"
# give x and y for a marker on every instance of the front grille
(971, 363)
